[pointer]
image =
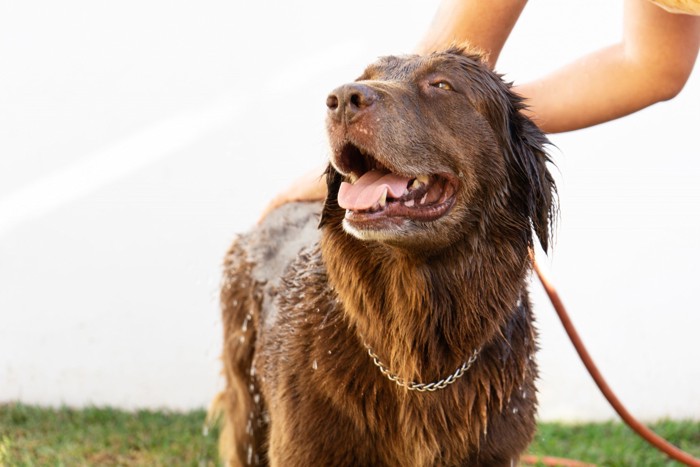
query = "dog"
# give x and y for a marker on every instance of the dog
(398, 330)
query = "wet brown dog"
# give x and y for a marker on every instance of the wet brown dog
(400, 333)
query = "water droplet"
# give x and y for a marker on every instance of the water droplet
(515, 410)
(250, 454)
(256, 398)
(247, 319)
(330, 352)
(241, 339)
(314, 365)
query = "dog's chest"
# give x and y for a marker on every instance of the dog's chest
(322, 388)
(323, 377)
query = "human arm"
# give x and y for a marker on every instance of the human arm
(651, 64)
(483, 24)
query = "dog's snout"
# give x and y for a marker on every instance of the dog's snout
(349, 101)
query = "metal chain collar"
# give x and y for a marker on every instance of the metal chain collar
(423, 387)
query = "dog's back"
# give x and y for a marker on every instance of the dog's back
(253, 270)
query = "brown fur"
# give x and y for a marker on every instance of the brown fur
(299, 305)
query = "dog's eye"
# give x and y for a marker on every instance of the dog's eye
(444, 85)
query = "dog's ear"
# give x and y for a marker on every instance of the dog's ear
(531, 181)
(532, 187)
(330, 205)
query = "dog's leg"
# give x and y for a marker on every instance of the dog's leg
(243, 436)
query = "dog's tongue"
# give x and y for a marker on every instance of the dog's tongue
(368, 189)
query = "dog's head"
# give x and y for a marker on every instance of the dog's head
(425, 149)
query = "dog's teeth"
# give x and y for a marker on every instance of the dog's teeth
(422, 200)
(419, 181)
(382, 200)
(410, 203)
(353, 177)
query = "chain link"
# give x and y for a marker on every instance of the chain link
(422, 387)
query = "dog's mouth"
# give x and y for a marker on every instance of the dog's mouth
(372, 192)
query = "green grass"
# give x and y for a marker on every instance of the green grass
(614, 444)
(32, 436)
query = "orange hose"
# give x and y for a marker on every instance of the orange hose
(652, 438)
(552, 461)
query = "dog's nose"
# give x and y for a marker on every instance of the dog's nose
(349, 101)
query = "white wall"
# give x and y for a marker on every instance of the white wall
(137, 137)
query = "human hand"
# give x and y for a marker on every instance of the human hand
(309, 187)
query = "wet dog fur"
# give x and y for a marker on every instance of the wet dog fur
(302, 304)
